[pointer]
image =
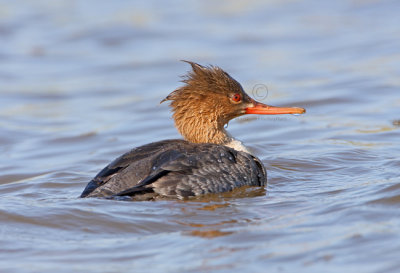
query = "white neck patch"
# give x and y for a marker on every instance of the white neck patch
(237, 145)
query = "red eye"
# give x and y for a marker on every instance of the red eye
(236, 98)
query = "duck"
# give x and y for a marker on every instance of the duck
(207, 160)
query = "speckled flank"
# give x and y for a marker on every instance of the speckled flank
(176, 169)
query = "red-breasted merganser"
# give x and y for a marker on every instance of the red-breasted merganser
(209, 160)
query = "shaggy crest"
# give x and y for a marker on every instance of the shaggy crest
(202, 106)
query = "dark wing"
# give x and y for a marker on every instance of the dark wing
(202, 169)
(127, 170)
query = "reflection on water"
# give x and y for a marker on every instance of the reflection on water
(81, 82)
(209, 233)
